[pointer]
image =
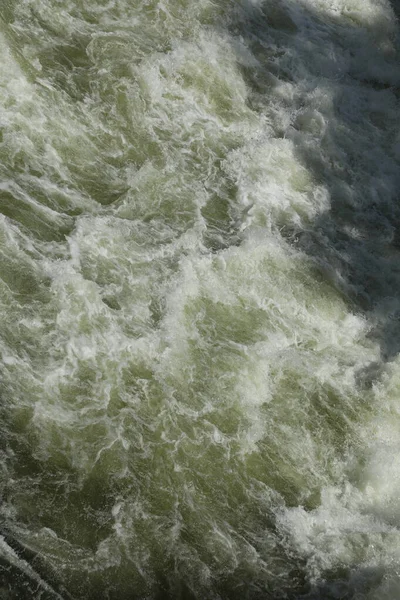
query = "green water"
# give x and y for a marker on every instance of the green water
(199, 300)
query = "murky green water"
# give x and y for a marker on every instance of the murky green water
(199, 300)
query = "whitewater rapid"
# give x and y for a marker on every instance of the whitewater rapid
(199, 299)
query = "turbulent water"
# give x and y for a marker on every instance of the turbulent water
(200, 299)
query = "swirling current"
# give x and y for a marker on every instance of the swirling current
(200, 300)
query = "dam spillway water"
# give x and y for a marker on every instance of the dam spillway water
(200, 299)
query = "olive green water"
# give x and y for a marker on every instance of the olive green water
(199, 299)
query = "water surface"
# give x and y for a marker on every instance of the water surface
(199, 298)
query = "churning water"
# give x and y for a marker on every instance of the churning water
(200, 299)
